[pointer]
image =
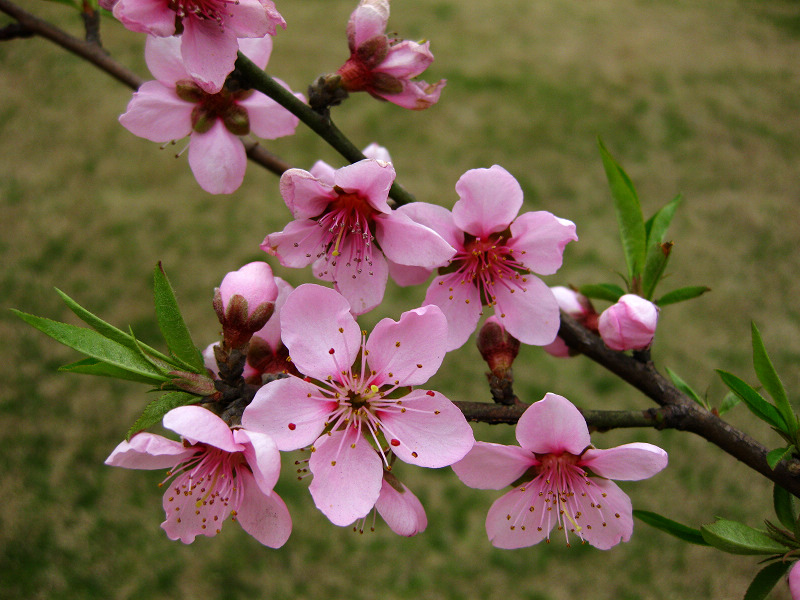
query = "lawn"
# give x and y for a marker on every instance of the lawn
(698, 98)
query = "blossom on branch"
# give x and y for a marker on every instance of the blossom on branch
(208, 30)
(577, 306)
(174, 106)
(566, 481)
(630, 324)
(385, 67)
(345, 228)
(217, 472)
(356, 406)
(496, 251)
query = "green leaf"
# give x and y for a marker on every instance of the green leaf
(685, 388)
(783, 502)
(754, 401)
(602, 291)
(629, 214)
(172, 325)
(94, 345)
(108, 330)
(738, 538)
(92, 366)
(768, 377)
(777, 455)
(657, 225)
(766, 579)
(728, 402)
(682, 294)
(155, 411)
(657, 251)
(684, 532)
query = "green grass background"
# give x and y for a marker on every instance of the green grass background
(694, 97)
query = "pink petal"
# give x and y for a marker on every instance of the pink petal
(362, 283)
(404, 276)
(257, 49)
(367, 21)
(283, 410)
(539, 239)
(157, 114)
(377, 152)
(163, 58)
(186, 519)
(406, 59)
(629, 462)
(322, 336)
(148, 451)
(529, 313)
(510, 524)
(271, 332)
(489, 201)
(264, 516)
(416, 95)
(197, 424)
(402, 510)
(610, 521)
(268, 119)
(304, 194)
(262, 456)
(437, 218)
(347, 476)
(323, 171)
(794, 581)
(412, 349)
(254, 282)
(406, 242)
(209, 52)
(298, 245)
(249, 19)
(146, 16)
(461, 304)
(217, 159)
(432, 432)
(551, 426)
(493, 466)
(630, 324)
(370, 179)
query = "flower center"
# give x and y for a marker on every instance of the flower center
(349, 237)
(210, 107)
(208, 10)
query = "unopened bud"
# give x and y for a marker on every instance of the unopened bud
(245, 301)
(497, 347)
(630, 324)
(577, 306)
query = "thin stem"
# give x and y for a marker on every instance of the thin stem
(322, 126)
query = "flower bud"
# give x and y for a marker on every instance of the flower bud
(577, 306)
(630, 324)
(497, 347)
(244, 301)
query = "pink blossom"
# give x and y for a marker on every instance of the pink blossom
(630, 324)
(794, 581)
(254, 282)
(496, 251)
(208, 30)
(357, 397)
(384, 67)
(217, 472)
(174, 106)
(347, 231)
(567, 483)
(577, 306)
(400, 508)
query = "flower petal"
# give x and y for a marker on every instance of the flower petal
(529, 313)
(322, 336)
(491, 466)
(157, 114)
(489, 201)
(163, 58)
(298, 245)
(366, 21)
(362, 282)
(188, 514)
(217, 159)
(289, 411)
(553, 425)
(146, 16)
(257, 49)
(411, 349)
(263, 457)
(430, 431)
(460, 303)
(268, 119)
(416, 95)
(148, 451)
(271, 332)
(538, 240)
(610, 520)
(251, 19)
(264, 516)
(370, 179)
(347, 476)
(304, 194)
(629, 462)
(209, 52)
(406, 59)
(511, 524)
(407, 242)
(402, 510)
(199, 425)
(437, 218)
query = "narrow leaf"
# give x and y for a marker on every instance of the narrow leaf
(728, 402)
(602, 291)
(769, 378)
(777, 455)
(657, 257)
(155, 411)
(754, 401)
(738, 538)
(108, 330)
(171, 322)
(682, 294)
(93, 344)
(629, 214)
(92, 366)
(684, 532)
(685, 388)
(657, 225)
(783, 502)
(766, 579)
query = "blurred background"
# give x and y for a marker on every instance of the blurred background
(699, 98)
